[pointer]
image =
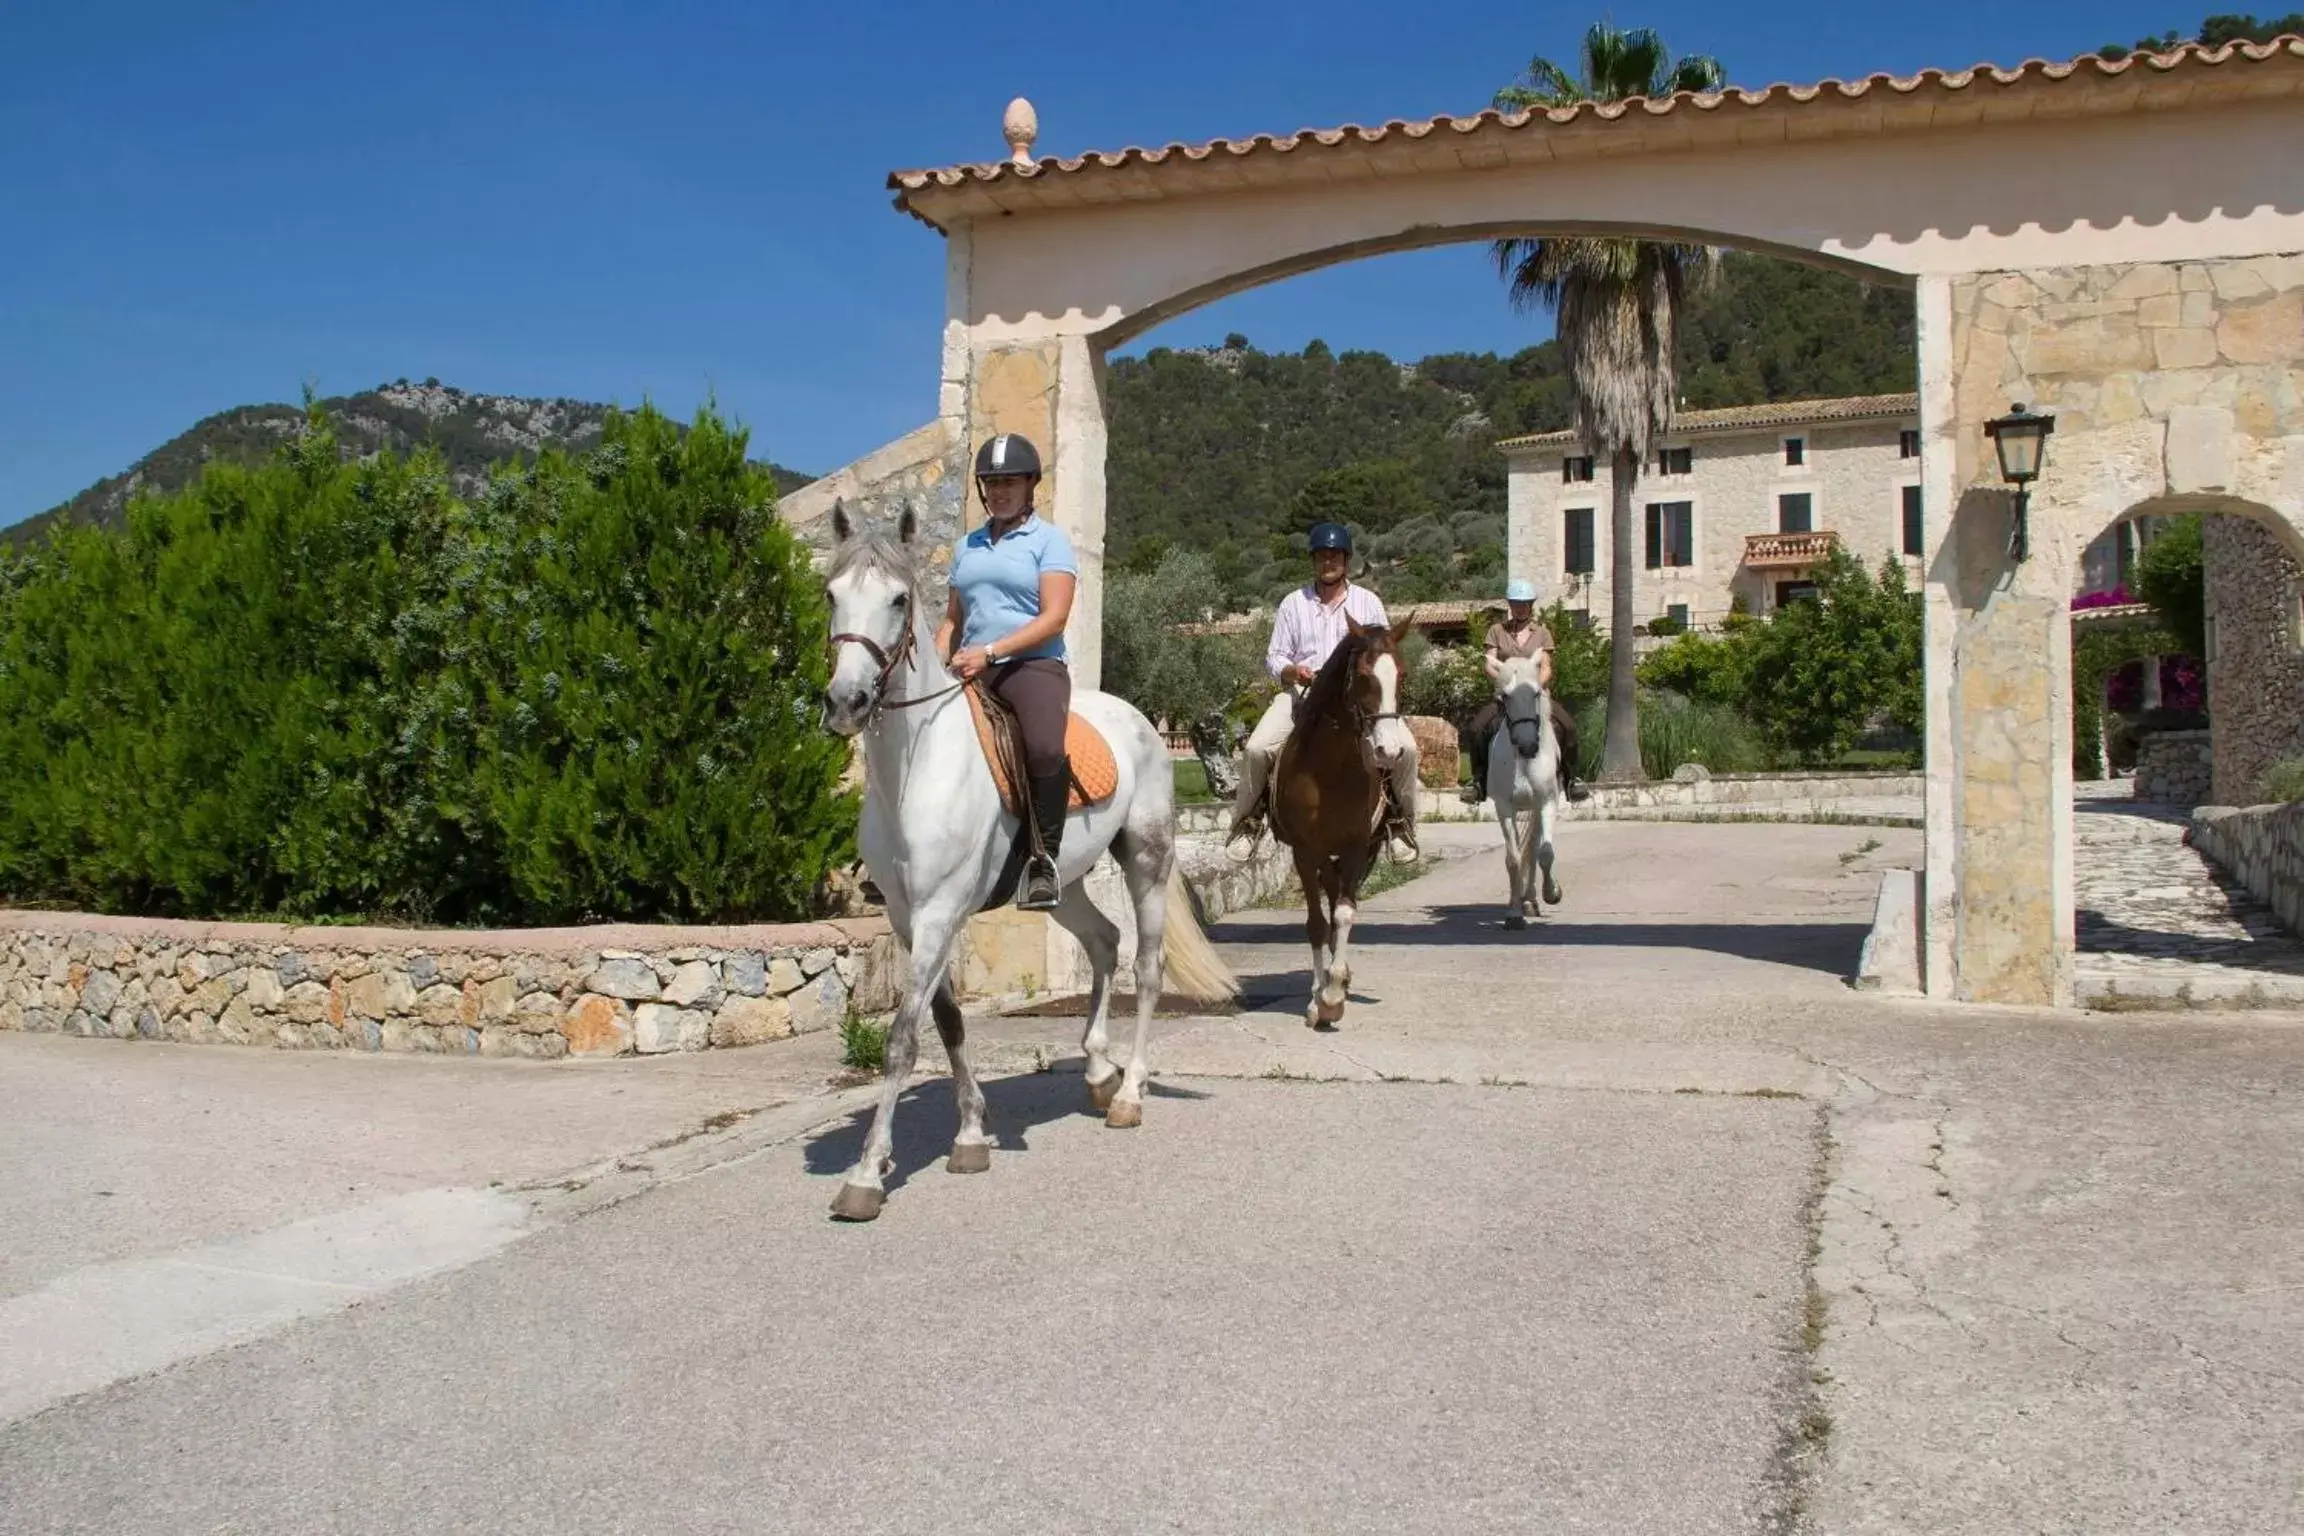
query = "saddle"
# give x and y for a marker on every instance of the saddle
(1095, 775)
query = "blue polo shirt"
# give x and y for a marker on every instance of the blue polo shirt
(999, 582)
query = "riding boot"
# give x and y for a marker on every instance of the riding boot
(1049, 794)
(1570, 756)
(1249, 808)
(1400, 825)
(1477, 790)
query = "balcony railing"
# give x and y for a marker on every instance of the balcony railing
(1788, 551)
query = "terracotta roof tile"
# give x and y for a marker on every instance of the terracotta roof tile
(1931, 97)
(1776, 413)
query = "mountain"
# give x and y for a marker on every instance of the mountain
(1233, 452)
(471, 431)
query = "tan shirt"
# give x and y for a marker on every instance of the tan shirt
(1528, 642)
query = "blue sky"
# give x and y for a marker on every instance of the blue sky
(211, 204)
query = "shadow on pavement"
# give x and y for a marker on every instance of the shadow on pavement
(927, 1119)
(1829, 947)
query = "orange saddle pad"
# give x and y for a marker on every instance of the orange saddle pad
(1095, 776)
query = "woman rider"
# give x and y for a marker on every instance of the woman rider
(1011, 593)
(1521, 635)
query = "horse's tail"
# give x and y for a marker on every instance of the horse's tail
(1194, 970)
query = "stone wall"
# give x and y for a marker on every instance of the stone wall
(1790, 795)
(2256, 665)
(1439, 753)
(920, 469)
(543, 993)
(540, 994)
(2172, 768)
(2263, 848)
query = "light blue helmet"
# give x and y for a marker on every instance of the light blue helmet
(1520, 592)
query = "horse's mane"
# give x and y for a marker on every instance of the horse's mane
(871, 549)
(1335, 674)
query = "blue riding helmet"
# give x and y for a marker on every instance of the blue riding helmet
(1331, 536)
(1520, 592)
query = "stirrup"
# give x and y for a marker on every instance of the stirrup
(1039, 872)
(1241, 841)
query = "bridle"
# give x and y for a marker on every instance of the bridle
(888, 661)
(1364, 720)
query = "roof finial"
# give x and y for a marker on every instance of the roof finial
(1020, 125)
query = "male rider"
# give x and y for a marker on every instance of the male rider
(1313, 620)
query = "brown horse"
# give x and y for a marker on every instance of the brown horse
(1328, 796)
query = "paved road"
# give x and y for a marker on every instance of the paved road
(1411, 1309)
(1532, 1253)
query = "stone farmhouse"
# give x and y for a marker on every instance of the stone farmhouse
(1734, 506)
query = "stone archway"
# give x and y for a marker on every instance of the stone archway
(2185, 392)
(2253, 653)
(2126, 218)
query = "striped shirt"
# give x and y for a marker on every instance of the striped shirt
(1307, 630)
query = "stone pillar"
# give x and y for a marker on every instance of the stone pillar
(2008, 698)
(1940, 910)
(1050, 389)
(1021, 373)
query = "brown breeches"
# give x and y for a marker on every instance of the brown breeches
(1039, 690)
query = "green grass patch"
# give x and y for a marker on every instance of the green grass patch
(863, 1044)
(1873, 759)
(1192, 782)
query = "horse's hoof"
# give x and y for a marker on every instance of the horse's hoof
(1552, 894)
(1125, 1114)
(1515, 922)
(969, 1157)
(1102, 1094)
(858, 1202)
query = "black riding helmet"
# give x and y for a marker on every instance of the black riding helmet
(1007, 453)
(1331, 536)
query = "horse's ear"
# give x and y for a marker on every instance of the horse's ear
(842, 529)
(906, 525)
(1400, 630)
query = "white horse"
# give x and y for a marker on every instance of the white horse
(935, 836)
(1524, 782)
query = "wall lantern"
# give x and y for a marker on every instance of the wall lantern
(2021, 440)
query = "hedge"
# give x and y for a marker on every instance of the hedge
(324, 689)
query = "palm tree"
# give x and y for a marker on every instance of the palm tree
(1616, 307)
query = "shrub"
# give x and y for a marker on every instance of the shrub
(1153, 664)
(1447, 681)
(1700, 667)
(655, 752)
(1579, 657)
(1676, 730)
(2102, 658)
(2285, 780)
(321, 688)
(1819, 672)
(2171, 575)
